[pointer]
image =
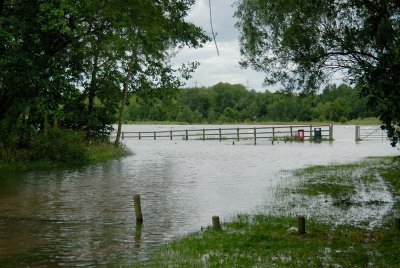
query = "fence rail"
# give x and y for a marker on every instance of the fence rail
(287, 133)
(369, 133)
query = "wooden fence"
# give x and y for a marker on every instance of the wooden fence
(369, 133)
(273, 133)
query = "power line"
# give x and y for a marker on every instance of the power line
(212, 30)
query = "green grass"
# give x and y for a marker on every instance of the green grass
(97, 153)
(102, 152)
(264, 240)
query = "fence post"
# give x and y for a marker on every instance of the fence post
(140, 135)
(138, 209)
(204, 135)
(330, 132)
(291, 133)
(273, 134)
(302, 224)
(311, 135)
(216, 224)
(255, 136)
(237, 134)
(123, 136)
(155, 135)
(170, 133)
(357, 138)
(220, 135)
(187, 135)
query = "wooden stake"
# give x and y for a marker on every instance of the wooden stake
(138, 209)
(216, 223)
(302, 224)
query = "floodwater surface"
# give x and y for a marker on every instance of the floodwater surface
(85, 217)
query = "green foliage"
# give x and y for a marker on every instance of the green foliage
(263, 241)
(68, 62)
(60, 146)
(225, 103)
(302, 45)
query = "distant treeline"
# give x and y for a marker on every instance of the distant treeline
(226, 103)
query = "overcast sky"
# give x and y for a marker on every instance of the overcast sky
(225, 67)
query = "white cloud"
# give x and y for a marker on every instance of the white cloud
(225, 67)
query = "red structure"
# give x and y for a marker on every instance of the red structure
(300, 134)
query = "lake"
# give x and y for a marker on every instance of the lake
(85, 216)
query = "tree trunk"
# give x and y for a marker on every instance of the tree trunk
(92, 90)
(123, 102)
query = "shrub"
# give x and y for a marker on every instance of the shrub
(60, 145)
(343, 119)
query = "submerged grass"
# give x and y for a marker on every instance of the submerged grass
(264, 240)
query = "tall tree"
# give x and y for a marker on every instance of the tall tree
(149, 44)
(34, 60)
(301, 44)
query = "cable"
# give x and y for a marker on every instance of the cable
(212, 30)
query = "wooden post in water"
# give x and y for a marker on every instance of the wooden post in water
(302, 224)
(330, 132)
(273, 134)
(155, 135)
(311, 134)
(187, 135)
(220, 135)
(237, 134)
(216, 225)
(123, 135)
(255, 136)
(138, 209)
(291, 133)
(170, 134)
(204, 135)
(357, 138)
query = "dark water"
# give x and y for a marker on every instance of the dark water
(85, 217)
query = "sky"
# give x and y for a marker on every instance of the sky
(225, 67)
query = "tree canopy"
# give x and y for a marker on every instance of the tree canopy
(74, 62)
(226, 103)
(301, 44)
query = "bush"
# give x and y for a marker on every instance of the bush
(343, 119)
(60, 145)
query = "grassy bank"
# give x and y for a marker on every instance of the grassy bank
(264, 240)
(98, 153)
(58, 149)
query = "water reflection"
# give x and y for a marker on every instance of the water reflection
(86, 217)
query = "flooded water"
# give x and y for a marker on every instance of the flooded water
(85, 217)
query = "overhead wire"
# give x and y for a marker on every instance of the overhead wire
(212, 29)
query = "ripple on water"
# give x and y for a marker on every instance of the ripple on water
(182, 184)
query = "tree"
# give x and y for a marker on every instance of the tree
(302, 45)
(35, 62)
(148, 46)
(74, 62)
